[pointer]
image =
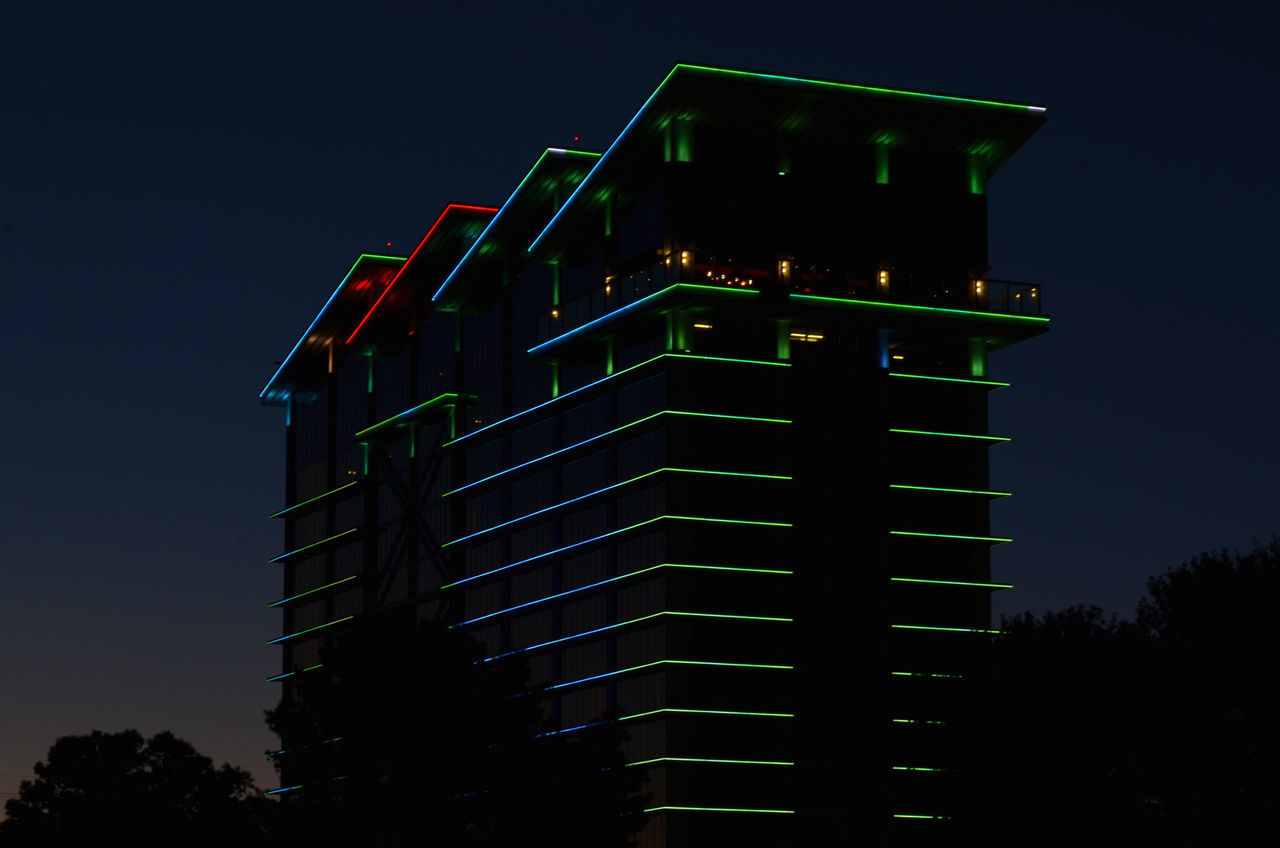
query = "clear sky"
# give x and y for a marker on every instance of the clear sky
(181, 187)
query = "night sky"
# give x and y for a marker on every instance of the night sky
(182, 187)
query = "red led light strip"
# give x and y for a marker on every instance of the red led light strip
(409, 261)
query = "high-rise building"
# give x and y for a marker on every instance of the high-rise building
(698, 425)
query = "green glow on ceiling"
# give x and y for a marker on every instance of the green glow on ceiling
(290, 509)
(949, 435)
(950, 536)
(952, 491)
(992, 383)
(908, 307)
(951, 583)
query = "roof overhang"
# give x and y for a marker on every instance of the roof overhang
(756, 104)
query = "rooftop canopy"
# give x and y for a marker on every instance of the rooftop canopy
(755, 104)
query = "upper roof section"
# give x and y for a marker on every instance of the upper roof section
(312, 357)
(755, 104)
(451, 237)
(501, 247)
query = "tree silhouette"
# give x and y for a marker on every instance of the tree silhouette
(118, 789)
(1158, 730)
(411, 735)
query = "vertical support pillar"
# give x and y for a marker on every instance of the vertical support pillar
(978, 358)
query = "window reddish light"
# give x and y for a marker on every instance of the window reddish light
(409, 261)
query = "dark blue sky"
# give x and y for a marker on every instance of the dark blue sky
(181, 187)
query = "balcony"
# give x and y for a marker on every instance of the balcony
(698, 271)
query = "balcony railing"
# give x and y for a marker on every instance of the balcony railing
(790, 276)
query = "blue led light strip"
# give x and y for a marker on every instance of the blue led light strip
(292, 673)
(610, 487)
(655, 663)
(950, 536)
(319, 497)
(288, 554)
(533, 351)
(550, 150)
(612, 376)
(943, 629)
(995, 384)
(313, 591)
(311, 629)
(583, 542)
(608, 433)
(710, 615)
(949, 435)
(599, 583)
(320, 314)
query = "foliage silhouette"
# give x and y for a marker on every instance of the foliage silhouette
(410, 736)
(1158, 730)
(118, 789)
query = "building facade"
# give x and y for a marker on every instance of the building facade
(699, 426)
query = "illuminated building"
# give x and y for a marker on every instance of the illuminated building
(700, 426)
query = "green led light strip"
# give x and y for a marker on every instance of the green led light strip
(621, 624)
(950, 536)
(658, 662)
(714, 810)
(313, 591)
(311, 629)
(292, 673)
(916, 721)
(612, 432)
(610, 534)
(926, 674)
(946, 629)
(995, 384)
(951, 583)
(710, 760)
(290, 509)
(949, 435)
(920, 816)
(608, 488)
(907, 307)
(635, 303)
(314, 544)
(951, 491)
(408, 413)
(613, 376)
(848, 86)
(916, 768)
(705, 712)
(599, 583)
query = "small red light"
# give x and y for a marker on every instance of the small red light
(575, 138)
(388, 244)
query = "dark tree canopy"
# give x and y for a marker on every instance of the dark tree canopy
(119, 789)
(408, 736)
(1159, 730)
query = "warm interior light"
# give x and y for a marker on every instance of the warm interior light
(702, 326)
